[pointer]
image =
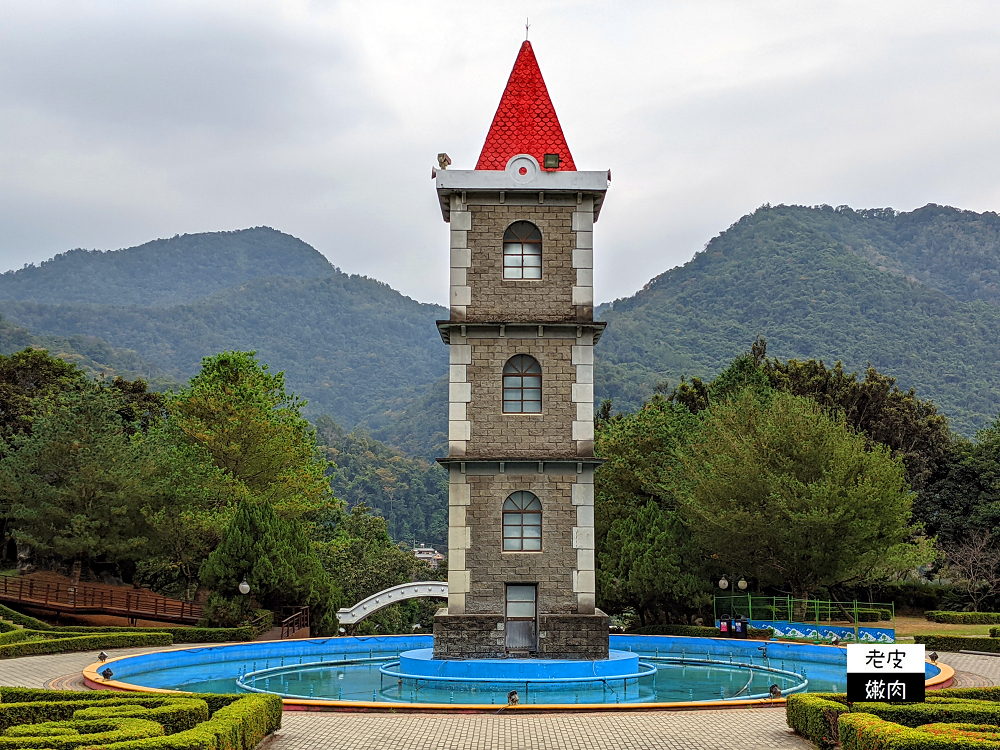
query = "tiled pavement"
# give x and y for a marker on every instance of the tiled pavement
(747, 729)
(734, 729)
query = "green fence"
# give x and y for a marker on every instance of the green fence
(787, 609)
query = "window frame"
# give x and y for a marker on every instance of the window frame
(522, 503)
(525, 235)
(520, 367)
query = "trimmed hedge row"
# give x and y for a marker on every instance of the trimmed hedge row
(697, 631)
(203, 722)
(964, 618)
(57, 645)
(826, 719)
(994, 632)
(959, 643)
(816, 715)
(180, 635)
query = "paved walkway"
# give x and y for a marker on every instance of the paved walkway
(734, 729)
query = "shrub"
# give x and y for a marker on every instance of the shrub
(934, 709)
(815, 716)
(695, 631)
(179, 635)
(958, 643)
(964, 618)
(85, 733)
(55, 645)
(25, 621)
(205, 722)
(994, 632)
(177, 715)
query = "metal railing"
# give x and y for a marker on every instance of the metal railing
(787, 609)
(85, 598)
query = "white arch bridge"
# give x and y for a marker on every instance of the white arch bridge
(375, 602)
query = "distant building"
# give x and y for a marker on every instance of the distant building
(429, 555)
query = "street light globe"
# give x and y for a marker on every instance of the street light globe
(742, 583)
(244, 587)
(723, 583)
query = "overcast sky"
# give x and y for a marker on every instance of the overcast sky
(124, 121)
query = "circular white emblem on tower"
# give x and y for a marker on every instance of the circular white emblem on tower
(522, 168)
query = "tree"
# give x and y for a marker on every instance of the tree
(241, 414)
(29, 378)
(966, 498)
(645, 556)
(650, 564)
(275, 556)
(361, 556)
(791, 496)
(975, 562)
(187, 501)
(911, 428)
(71, 485)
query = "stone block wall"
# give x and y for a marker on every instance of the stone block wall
(468, 636)
(483, 636)
(573, 636)
(478, 567)
(497, 434)
(477, 426)
(478, 290)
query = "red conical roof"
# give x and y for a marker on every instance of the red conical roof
(525, 122)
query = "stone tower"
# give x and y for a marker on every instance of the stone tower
(521, 395)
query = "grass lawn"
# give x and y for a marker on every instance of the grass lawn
(906, 626)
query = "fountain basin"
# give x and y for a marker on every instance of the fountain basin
(421, 663)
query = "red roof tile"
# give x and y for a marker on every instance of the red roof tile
(525, 122)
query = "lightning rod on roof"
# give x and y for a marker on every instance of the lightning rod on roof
(526, 26)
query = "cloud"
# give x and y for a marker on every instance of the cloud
(121, 122)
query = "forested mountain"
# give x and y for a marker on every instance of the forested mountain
(916, 294)
(786, 273)
(165, 272)
(410, 493)
(956, 252)
(92, 354)
(350, 345)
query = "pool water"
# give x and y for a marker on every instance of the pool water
(364, 669)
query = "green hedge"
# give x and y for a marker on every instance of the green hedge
(67, 735)
(964, 618)
(959, 643)
(25, 621)
(815, 716)
(180, 635)
(202, 722)
(696, 631)
(994, 632)
(826, 718)
(57, 645)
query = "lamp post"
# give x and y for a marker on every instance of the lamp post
(244, 586)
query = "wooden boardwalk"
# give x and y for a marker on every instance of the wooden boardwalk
(97, 599)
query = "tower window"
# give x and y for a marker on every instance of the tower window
(522, 523)
(522, 385)
(522, 251)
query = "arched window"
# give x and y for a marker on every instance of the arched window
(522, 251)
(522, 385)
(522, 523)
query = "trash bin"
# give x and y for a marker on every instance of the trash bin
(741, 627)
(726, 626)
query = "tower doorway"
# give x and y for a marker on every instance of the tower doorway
(521, 625)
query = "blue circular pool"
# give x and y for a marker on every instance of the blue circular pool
(401, 669)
